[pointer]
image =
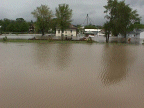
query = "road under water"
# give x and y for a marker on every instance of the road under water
(38, 75)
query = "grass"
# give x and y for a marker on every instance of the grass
(59, 41)
(44, 41)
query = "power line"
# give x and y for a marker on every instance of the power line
(88, 20)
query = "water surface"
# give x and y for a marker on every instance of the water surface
(71, 75)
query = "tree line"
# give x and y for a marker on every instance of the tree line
(18, 25)
(45, 20)
(120, 19)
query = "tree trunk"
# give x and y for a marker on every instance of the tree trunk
(62, 34)
(107, 38)
(42, 32)
(124, 35)
(107, 41)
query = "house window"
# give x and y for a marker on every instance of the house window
(66, 32)
(71, 31)
(58, 31)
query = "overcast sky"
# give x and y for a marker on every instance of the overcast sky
(13, 9)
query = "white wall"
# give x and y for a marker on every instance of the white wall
(142, 35)
(93, 30)
(66, 32)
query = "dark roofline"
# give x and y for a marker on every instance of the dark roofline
(70, 27)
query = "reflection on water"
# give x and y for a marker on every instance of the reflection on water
(63, 56)
(116, 61)
(41, 75)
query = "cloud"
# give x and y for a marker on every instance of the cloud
(136, 3)
(13, 9)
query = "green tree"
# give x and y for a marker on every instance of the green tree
(121, 17)
(24, 27)
(90, 27)
(18, 25)
(64, 15)
(43, 16)
(107, 30)
(80, 29)
(11, 27)
(5, 23)
(138, 26)
(20, 20)
(54, 24)
(21, 25)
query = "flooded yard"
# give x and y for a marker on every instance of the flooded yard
(36, 75)
(100, 39)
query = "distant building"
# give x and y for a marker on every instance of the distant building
(142, 34)
(71, 31)
(135, 33)
(31, 28)
(87, 33)
(92, 31)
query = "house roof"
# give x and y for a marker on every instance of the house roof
(70, 27)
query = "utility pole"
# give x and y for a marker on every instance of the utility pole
(87, 19)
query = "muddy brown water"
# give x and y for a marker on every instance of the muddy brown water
(34, 75)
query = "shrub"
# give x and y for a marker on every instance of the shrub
(5, 38)
(90, 40)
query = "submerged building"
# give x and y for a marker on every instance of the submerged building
(71, 31)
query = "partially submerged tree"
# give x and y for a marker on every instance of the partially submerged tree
(64, 15)
(43, 14)
(121, 17)
(107, 30)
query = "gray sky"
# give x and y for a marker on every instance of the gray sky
(13, 9)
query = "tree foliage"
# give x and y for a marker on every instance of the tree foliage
(18, 25)
(120, 16)
(107, 30)
(64, 15)
(90, 27)
(54, 24)
(43, 16)
(79, 29)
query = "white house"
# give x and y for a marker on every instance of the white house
(71, 31)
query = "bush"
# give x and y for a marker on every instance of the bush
(50, 39)
(5, 38)
(90, 40)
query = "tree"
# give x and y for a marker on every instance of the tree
(107, 30)
(5, 23)
(90, 27)
(11, 27)
(18, 25)
(21, 25)
(43, 14)
(121, 17)
(138, 26)
(80, 29)
(64, 15)
(54, 25)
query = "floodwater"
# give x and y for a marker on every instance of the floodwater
(100, 39)
(38, 75)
